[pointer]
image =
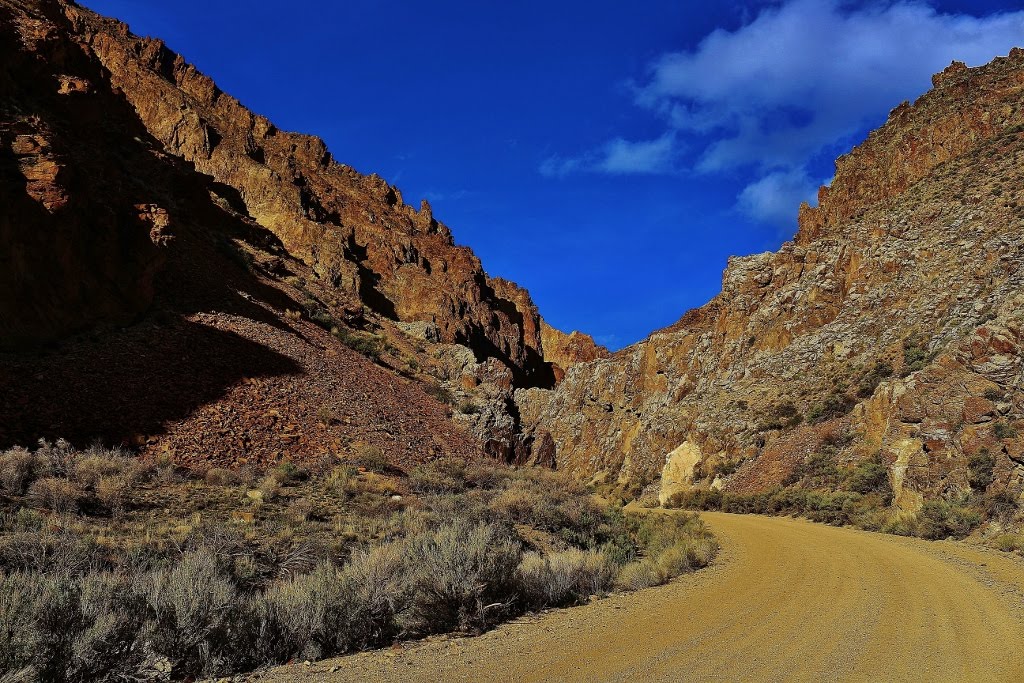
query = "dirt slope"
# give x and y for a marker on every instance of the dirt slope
(788, 600)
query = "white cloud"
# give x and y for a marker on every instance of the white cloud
(647, 156)
(619, 157)
(808, 73)
(775, 197)
(799, 79)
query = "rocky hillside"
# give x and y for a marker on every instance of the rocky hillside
(891, 327)
(178, 274)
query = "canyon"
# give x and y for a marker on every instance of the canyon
(182, 277)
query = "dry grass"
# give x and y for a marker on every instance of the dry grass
(158, 573)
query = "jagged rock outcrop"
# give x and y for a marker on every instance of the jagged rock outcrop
(563, 350)
(354, 232)
(888, 326)
(242, 299)
(78, 247)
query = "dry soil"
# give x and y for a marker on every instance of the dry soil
(787, 600)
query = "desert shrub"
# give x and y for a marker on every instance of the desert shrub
(464, 577)
(112, 615)
(269, 488)
(566, 577)
(61, 628)
(36, 612)
(639, 575)
(870, 476)
(941, 519)
(677, 559)
(380, 592)
(218, 476)
(300, 510)
(1009, 543)
(785, 410)
(372, 458)
(96, 463)
(17, 468)
(369, 345)
(195, 609)
(439, 476)
(817, 469)
(835, 404)
(999, 505)
(871, 379)
(56, 494)
(203, 598)
(900, 525)
(113, 492)
(672, 545)
(676, 552)
(440, 393)
(56, 458)
(993, 394)
(286, 472)
(981, 470)
(835, 508)
(303, 616)
(915, 354)
(555, 504)
(696, 499)
(330, 610)
(341, 481)
(469, 408)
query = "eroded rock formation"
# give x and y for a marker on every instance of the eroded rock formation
(188, 279)
(354, 232)
(889, 325)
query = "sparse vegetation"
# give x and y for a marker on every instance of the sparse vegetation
(860, 495)
(835, 404)
(915, 354)
(871, 379)
(1004, 431)
(114, 570)
(370, 345)
(981, 470)
(440, 393)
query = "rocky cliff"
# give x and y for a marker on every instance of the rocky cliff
(179, 274)
(354, 232)
(889, 327)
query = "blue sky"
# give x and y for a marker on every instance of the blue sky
(608, 156)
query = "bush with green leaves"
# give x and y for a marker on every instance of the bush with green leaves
(870, 476)
(943, 519)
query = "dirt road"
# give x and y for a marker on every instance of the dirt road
(787, 600)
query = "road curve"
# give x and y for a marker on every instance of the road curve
(787, 600)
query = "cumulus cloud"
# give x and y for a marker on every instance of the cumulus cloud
(803, 75)
(619, 157)
(799, 79)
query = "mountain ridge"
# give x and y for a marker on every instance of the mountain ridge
(909, 266)
(148, 204)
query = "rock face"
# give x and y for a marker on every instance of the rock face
(78, 245)
(890, 325)
(563, 350)
(190, 280)
(354, 232)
